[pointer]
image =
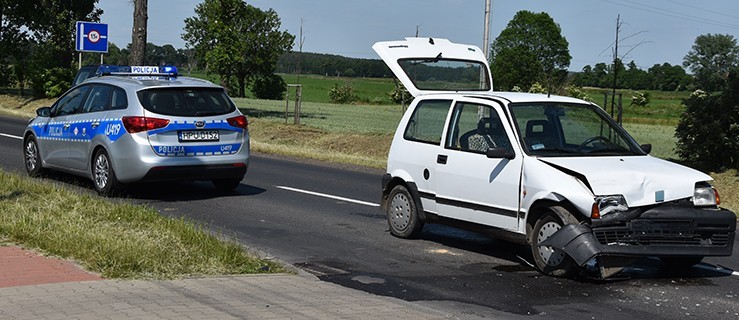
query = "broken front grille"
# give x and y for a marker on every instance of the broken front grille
(659, 232)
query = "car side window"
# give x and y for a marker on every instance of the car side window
(98, 99)
(427, 122)
(476, 128)
(71, 102)
(119, 100)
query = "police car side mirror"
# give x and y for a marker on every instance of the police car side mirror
(43, 112)
(500, 153)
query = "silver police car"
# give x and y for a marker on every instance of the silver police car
(135, 124)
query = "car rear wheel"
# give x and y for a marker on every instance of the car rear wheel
(103, 175)
(225, 185)
(402, 214)
(548, 260)
(32, 157)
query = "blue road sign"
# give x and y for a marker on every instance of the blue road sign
(91, 37)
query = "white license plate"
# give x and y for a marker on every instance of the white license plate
(198, 135)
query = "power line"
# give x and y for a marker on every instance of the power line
(673, 14)
(704, 9)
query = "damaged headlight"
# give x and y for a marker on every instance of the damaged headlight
(604, 205)
(705, 195)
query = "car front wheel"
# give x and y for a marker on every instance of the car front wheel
(103, 175)
(32, 157)
(548, 260)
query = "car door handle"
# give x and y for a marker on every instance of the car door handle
(441, 159)
(94, 124)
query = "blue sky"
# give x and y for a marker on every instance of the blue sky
(661, 30)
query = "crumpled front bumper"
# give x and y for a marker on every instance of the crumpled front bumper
(660, 231)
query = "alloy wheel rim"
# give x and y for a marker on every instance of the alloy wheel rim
(102, 169)
(31, 159)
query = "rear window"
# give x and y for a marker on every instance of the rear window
(186, 102)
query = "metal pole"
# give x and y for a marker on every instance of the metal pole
(486, 32)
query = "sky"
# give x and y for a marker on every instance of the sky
(652, 32)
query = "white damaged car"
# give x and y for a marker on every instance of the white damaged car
(554, 172)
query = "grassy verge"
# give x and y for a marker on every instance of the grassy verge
(113, 239)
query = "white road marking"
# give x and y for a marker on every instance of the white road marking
(329, 196)
(11, 136)
(710, 267)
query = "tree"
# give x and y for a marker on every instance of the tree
(708, 129)
(711, 59)
(236, 40)
(138, 34)
(530, 49)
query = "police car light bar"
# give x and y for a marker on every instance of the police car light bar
(164, 71)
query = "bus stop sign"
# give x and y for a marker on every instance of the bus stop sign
(91, 37)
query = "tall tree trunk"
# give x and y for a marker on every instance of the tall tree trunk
(138, 34)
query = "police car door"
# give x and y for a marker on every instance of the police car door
(86, 124)
(57, 135)
(470, 186)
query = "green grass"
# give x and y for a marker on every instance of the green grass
(116, 240)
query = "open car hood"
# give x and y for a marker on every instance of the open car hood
(642, 180)
(434, 65)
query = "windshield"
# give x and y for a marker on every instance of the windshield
(446, 75)
(556, 130)
(186, 102)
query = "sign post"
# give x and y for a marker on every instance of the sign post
(91, 37)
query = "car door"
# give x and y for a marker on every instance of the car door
(57, 133)
(470, 185)
(85, 125)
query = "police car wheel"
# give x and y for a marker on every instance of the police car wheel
(31, 157)
(103, 176)
(225, 185)
(548, 260)
(402, 214)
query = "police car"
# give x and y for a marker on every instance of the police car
(553, 172)
(132, 124)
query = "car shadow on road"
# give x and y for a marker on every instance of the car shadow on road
(650, 269)
(159, 191)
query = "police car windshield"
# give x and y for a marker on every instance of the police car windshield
(186, 102)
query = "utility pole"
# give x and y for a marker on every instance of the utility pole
(486, 32)
(615, 70)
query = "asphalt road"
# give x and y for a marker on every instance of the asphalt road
(325, 220)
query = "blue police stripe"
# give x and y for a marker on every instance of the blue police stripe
(209, 150)
(79, 131)
(190, 125)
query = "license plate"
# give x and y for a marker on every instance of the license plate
(198, 135)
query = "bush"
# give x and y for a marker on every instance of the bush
(400, 94)
(271, 87)
(342, 94)
(52, 82)
(576, 92)
(640, 99)
(708, 129)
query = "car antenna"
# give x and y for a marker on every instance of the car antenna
(431, 41)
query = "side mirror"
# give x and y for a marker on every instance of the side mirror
(43, 112)
(500, 153)
(647, 148)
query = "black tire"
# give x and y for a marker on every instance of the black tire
(226, 185)
(680, 262)
(402, 214)
(103, 176)
(551, 262)
(32, 157)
